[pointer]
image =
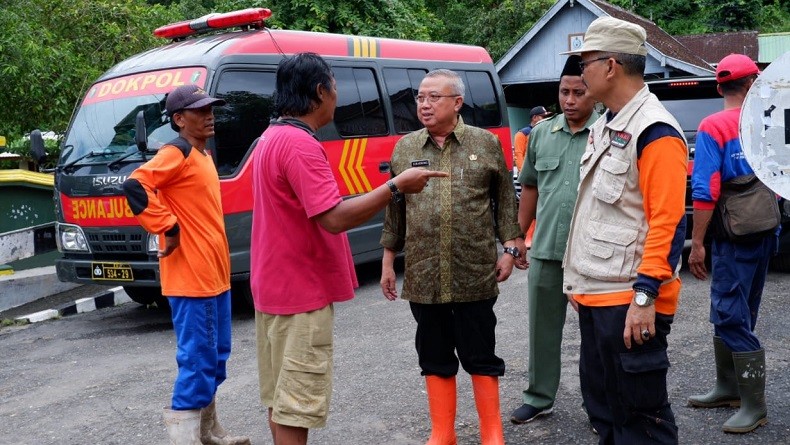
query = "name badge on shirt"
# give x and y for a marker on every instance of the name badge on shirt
(620, 139)
(420, 163)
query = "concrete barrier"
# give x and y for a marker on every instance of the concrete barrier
(25, 286)
(24, 243)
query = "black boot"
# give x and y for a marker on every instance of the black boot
(750, 372)
(725, 391)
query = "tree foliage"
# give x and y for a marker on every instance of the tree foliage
(51, 50)
(495, 25)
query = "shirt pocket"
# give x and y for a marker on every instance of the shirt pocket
(609, 251)
(545, 166)
(610, 179)
(474, 189)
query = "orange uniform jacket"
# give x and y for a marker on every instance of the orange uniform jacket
(178, 191)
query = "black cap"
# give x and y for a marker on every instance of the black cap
(539, 111)
(572, 67)
(189, 97)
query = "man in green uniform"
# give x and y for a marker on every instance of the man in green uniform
(550, 179)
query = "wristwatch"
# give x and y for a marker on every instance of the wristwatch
(643, 299)
(513, 251)
(397, 196)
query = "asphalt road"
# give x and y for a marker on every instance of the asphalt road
(102, 377)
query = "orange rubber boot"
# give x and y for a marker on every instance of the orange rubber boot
(486, 388)
(441, 402)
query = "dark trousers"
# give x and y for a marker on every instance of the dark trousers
(468, 328)
(736, 290)
(625, 391)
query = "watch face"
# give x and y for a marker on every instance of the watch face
(641, 298)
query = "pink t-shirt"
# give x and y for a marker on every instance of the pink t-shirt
(296, 265)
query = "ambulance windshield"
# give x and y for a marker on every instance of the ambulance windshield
(109, 127)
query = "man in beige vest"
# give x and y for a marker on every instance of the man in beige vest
(625, 241)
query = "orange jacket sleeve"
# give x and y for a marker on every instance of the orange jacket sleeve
(142, 185)
(662, 180)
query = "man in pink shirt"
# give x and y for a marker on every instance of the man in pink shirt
(301, 262)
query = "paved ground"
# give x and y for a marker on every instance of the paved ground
(102, 377)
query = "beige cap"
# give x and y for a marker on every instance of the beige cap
(612, 35)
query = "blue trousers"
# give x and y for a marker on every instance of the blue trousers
(202, 328)
(736, 290)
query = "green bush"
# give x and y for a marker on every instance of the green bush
(21, 146)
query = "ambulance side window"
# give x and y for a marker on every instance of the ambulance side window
(402, 86)
(249, 108)
(480, 102)
(359, 109)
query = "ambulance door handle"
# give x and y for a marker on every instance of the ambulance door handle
(384, 167)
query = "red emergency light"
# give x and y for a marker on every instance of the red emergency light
(688, 83)
(251, 17)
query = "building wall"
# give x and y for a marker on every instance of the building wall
(771, 46)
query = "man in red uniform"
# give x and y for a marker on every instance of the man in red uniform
(176, 195)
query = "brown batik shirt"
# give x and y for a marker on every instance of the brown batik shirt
(448, 230)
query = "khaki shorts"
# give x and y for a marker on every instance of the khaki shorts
(295, 366)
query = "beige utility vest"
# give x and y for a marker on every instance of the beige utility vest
(608, 229)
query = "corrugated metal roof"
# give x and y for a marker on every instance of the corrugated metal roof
(715, 46)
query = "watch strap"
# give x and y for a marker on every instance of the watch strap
(647, 291)
(397, 196)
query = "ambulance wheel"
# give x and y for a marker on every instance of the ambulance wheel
(242, 295)
(147, 296)
(780, 263)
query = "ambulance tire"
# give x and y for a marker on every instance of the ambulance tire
(147, 296)
(780, 263)
(242, 296)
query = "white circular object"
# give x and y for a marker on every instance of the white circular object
(765, 126)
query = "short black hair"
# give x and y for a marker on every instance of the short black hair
(737, 86)
(297, 79)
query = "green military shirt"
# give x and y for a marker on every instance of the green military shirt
(552, 165)
(448, 230)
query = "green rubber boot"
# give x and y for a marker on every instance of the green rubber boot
(725, 391)
(750, 372)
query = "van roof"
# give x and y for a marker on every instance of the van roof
(207, 50)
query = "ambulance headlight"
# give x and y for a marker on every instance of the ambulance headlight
(153, 243)
(70, 238)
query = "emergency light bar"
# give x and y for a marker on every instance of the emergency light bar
(252, 17)
(689, 83)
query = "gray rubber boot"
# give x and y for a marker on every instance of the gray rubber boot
(212, 433)
(750, 372)
(725, 391)
(183, 427)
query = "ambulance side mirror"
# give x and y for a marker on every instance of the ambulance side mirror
(140, 132)
(37, 150)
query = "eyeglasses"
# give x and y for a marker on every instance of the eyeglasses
(583, 64)
(433, 98)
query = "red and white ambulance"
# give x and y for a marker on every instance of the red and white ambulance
(121, 122)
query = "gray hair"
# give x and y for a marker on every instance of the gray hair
(456, 83)
(633, 64)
